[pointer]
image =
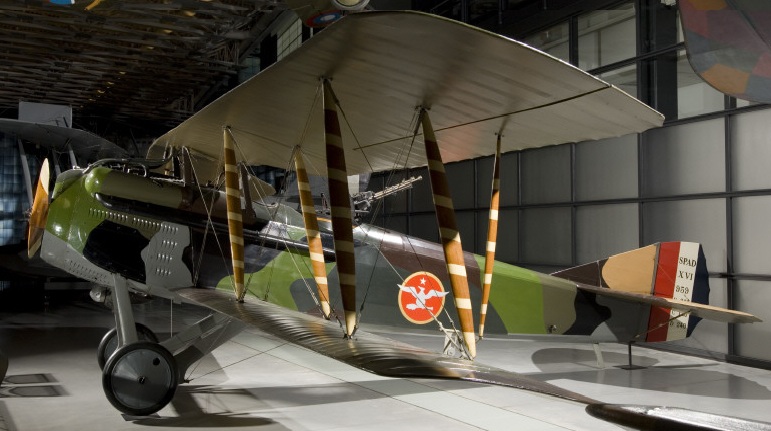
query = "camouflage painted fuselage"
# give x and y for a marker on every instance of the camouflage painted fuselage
(157, 234)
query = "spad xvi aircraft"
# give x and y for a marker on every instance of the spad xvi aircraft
(375, 91)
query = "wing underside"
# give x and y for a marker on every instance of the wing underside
(367, 351)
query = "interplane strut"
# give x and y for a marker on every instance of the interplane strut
(340, 205)
(235, 217)
(450, 237)
(492, 235)
(315, 249)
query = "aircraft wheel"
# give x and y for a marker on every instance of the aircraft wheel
(110, 342)
(140, 378)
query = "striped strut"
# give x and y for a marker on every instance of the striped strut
(312, 233)
(492, 235)
(235, 218)
(340, 205)
(448, 229)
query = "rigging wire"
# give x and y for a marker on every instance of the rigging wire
(209, 209)
(282, 235)
(209, 222)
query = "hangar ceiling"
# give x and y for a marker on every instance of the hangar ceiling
(126, 59)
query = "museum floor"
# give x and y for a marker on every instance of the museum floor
(258, 382)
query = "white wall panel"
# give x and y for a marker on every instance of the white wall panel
(605, 230)
(508, 236)
(752, 340)
(484, 179)
(751, 150)
(702, 221)
(607, 169)
(424, 226)
(422, 199)
(467, 229)
(684, 159)
(752, 234)
(546, 236)
(509, 180)
(460, 177)
(546, 175)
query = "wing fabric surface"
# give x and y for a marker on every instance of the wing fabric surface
(382, 66)
(367, 351)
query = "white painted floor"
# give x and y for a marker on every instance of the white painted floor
(258, 382)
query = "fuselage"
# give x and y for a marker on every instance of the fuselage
(161, 234)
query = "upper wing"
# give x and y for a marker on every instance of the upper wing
(84, 144)
(728, 45)
(702, 310)
(385, 64)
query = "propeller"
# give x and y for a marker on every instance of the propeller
(39, 214)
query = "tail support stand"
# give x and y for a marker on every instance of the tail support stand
(630, 366)
(598, 355)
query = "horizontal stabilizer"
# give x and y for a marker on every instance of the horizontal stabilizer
(701, 310)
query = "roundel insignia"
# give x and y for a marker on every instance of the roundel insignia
(324, 18)
(421, 296)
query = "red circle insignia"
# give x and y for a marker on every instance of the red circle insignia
(421, 296)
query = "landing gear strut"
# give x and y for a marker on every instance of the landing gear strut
(109, 343)
(140, 375)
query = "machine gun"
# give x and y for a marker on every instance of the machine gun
(362, 202)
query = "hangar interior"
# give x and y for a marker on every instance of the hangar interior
(702, 177)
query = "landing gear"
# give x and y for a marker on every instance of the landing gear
(110, 342)
(140, 378)
(140, 375)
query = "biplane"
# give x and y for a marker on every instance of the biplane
(375, 91)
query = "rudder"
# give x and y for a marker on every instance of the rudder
(673, 270)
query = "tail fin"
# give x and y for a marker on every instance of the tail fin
(674, 270)
(681, 274)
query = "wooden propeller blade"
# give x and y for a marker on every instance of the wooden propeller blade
(39, 214)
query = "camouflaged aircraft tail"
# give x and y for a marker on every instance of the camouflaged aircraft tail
(668, 270)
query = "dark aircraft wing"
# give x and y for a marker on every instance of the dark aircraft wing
(85, 145)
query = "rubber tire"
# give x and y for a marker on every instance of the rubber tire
(109, 342)
(133, 372)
